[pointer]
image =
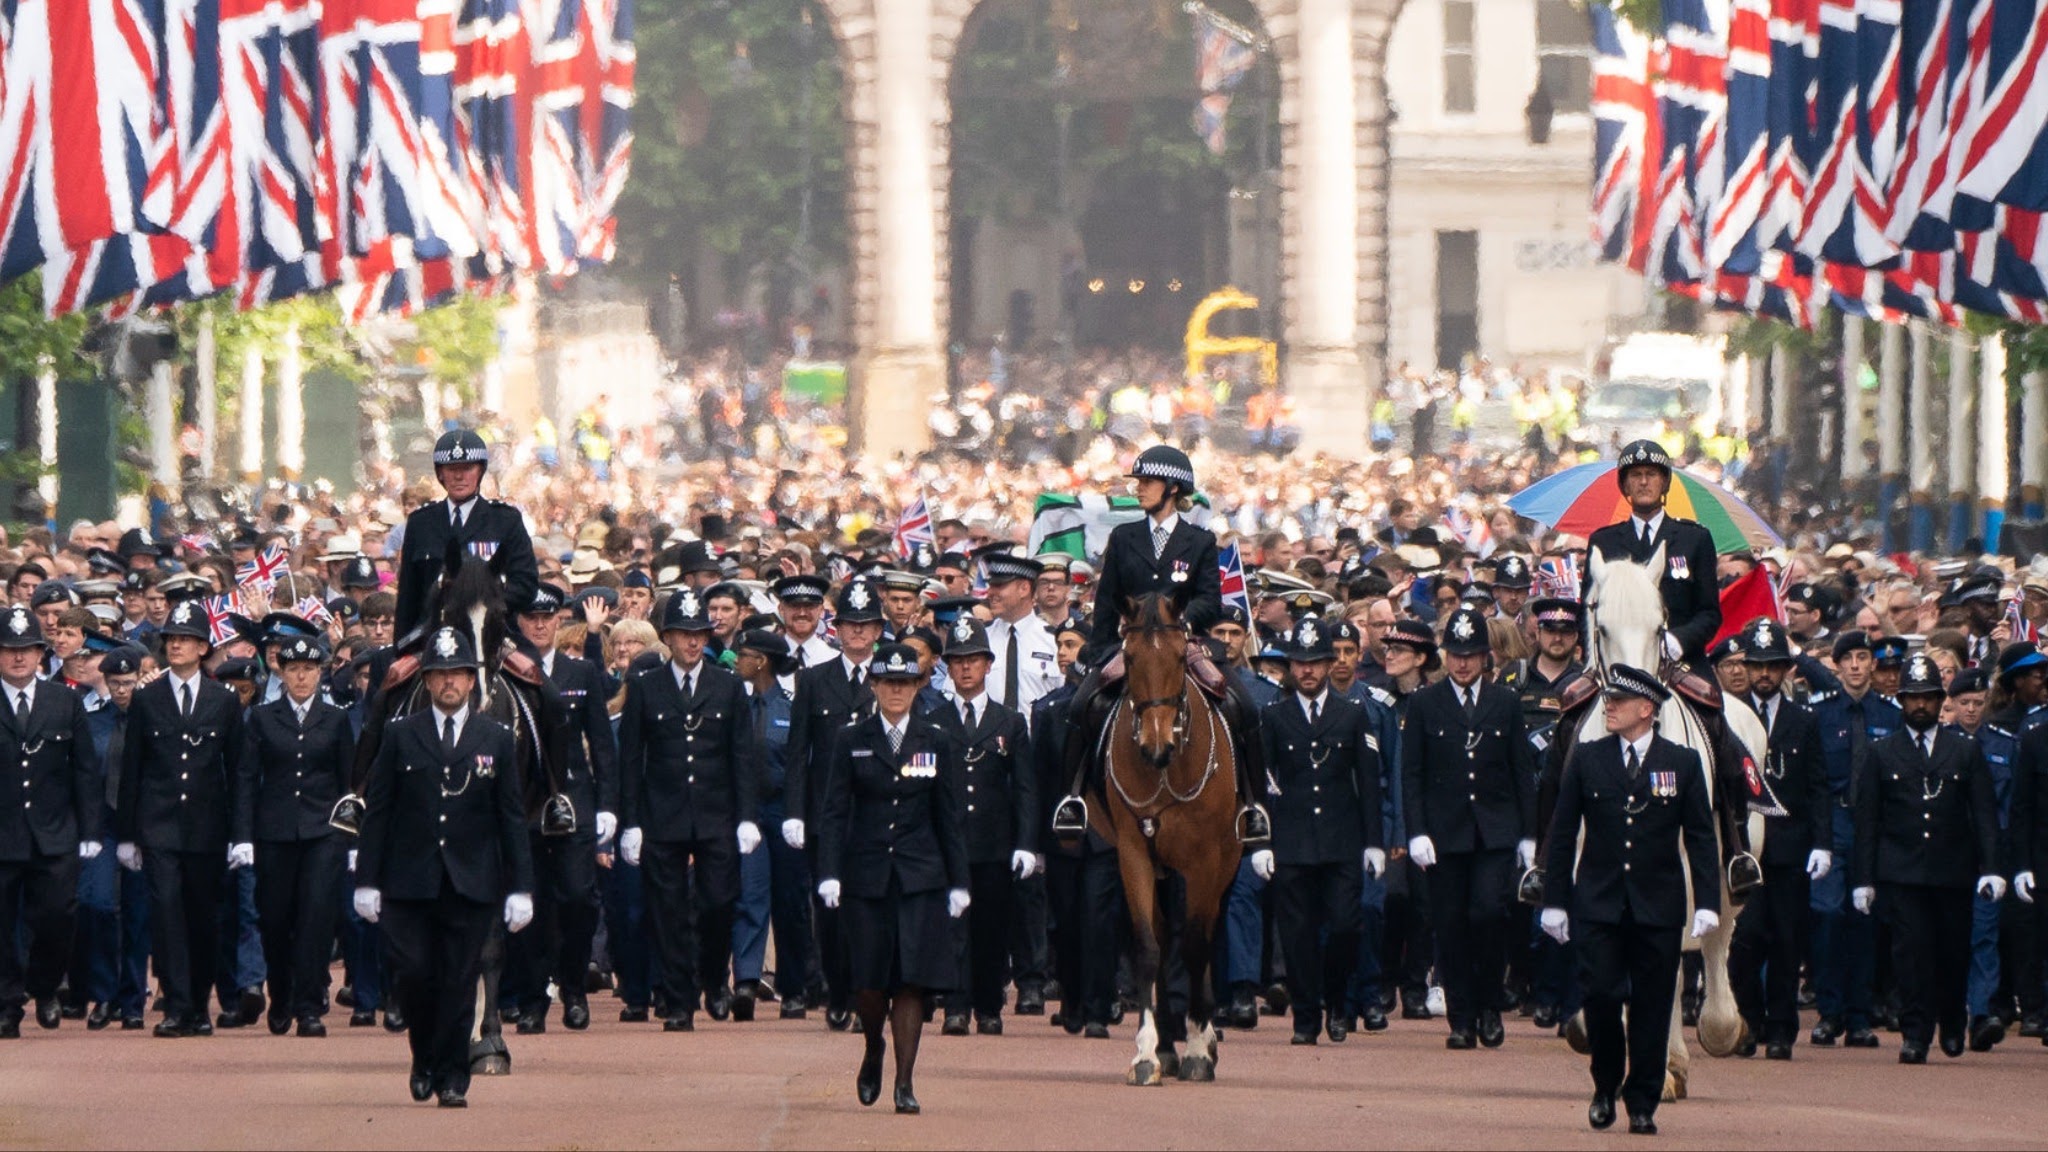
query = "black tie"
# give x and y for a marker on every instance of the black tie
(1315, 710)
(1859, 739)
(1643, 537)
(1635, 763)
(448, 734)
(968, 715)
(1010, 669)
(857, 673)
(21, 710)
(185, 701)
(690, 685)
(1467, 701)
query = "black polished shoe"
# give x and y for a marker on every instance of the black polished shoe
(1545, 1017)
(576, 1014)
(312, 1027)
(868, 1085)
(1600, 1114)
(363, 1018)
(1778, 1050)
(1414, 1007)
(10, 1026)
(683, 1022)
(956, 1024)
(1491, 1033)
(1277, 999)
(838, 1019)
(1826, 1032)
(1985, 1033)
(1642, 1125)
(1746, 1047)
(719, 1003)
(1304, 1035)
(508, 1015)
(345, 995)
(1911, 1053)
(1095, 1030)
(1030, 1001)
(988, 1025)
(1860, 1038)
(2030, 1026)
(452, 1098)
(743, 999)
(394, 1020)
(533, 1023)
(1461, 1040)
(422, 1086)
(794, 1007)
(133, 1023)
(1374, 1018)
(1951, 1043)
(49, 1013)
(906, 1101)
(73, 1011)
(632, 1015)
(279, 1025)
(98, 1018)
(198, 1026)
(166, 1030)
(1243, 1013)
(1338, 1028)
(230, 1019)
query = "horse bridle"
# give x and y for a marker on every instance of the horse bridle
(1178, 702)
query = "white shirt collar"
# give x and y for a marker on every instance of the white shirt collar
(895, 731)
(460, 716)
(1171, 522)
(1654, 523)
(683, 674)
(461, 511)
(1641, 746)
(547, 661)
(193, 683)
(1319, 700)
(980, 701)
(787, 683)
(853, 666)
(28, 690)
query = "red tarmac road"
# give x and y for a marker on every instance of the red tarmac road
(790, 1085)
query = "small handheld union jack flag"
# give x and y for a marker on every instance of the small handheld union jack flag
(219, 613)
(313, 611)
(914, 527)
(263, 571)
(1231, 567)
(2016, 623)
(1557, 578)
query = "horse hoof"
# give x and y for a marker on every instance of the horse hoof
(1674, 1087)
(1196, 1070)
(491, 1066)
(1143, 1074)
(1169, 1063)
(1575, 1034)
(1719, 1039)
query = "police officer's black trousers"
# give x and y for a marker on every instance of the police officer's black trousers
(1931, 955)
(1086, 894)
(1030, 935)
(295, 907)
(985, 937)
(1634, 966)
(184, 902)
(1469, 894)
(436, 950)
(565, 907)
(833, 961)
(1320, 910)
(41, 895)
(691, 888)
(1764, 954)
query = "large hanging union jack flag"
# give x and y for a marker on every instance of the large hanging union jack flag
(401, 151)
(1779, 156)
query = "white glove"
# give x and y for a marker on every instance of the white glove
(750, 837)
(89, 849)
(1525, 855)
(1262, 863)
(793, 834)
(241, 855)
(828, 893)
(1704, 921)
(1422, 852)
(369, 904)
(1672, 648)
(629, 846)
(957, 901)
(1023, 864)
(2023, 886)
(1819, 863)
(1991, 887)
(1375, 862)
(606, 825)
(518, 911)
(130, 856)
(1556, 925)
(1863, 898)
(352, 859)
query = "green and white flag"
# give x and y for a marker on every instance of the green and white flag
(1079, 526)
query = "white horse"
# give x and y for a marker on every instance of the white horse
(1627, 627)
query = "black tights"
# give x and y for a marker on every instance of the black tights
(905, 1011)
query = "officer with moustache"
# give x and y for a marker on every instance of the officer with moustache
(464, 522)
(1770, 932)
(565, 867)
(1621, 891)
(180, 758)
(1692, 604)
(829, 696)
(688, 774)
(49, 820)
(1002, 823)
(1327, 829)
(443, 848)
(1469, 786)
(1926, 835)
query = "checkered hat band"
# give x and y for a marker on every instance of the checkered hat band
(1163, 472)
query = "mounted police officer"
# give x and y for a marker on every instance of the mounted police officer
(1327, 832)
(465, 522)
(1163, 553)
(444, 845)
(1692, 604)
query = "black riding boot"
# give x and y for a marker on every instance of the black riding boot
(1731, 785)
(1086, 715)
(1254, 827)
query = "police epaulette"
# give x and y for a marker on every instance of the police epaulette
(1382, 695)
(1821, 696)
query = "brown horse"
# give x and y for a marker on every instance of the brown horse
(1171, 805)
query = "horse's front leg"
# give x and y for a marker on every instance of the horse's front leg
(1141, 890)
(488, 1055)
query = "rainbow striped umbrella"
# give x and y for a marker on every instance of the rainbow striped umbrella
(1585, 498)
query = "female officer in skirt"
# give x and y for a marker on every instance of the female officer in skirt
(892, 855)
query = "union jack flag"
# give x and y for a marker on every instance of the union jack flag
(1231, 567)
(313, 611)
(1624, 136)
(1468, 530)
(263, 571)
(1223, 57)
(914, 527)
(196, 542)
(1557, 577)
(220, 613)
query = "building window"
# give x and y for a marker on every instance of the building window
(1457, 297)
(1459, 87)
(1564, 55)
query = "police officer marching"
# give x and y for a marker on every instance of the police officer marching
(465, 522)
(1001, 822)
(1853, 718)
(1469, 787)
(1926, 835)
(1692, 604)
(565, 866)
(443, 846)
(50, 800)
(1642, 802)
(687, 768)
(300, 751)
(1324, 792)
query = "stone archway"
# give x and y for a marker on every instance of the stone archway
(1334, 168)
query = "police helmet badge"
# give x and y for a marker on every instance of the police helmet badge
(857, 596)
(445, 643)
(963, 631)
(686, 602)
(458, 452)
(184, 612)
(17, 621)
(1305, 636)
(1462, 627)
(896, 665)
(1763, 634)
